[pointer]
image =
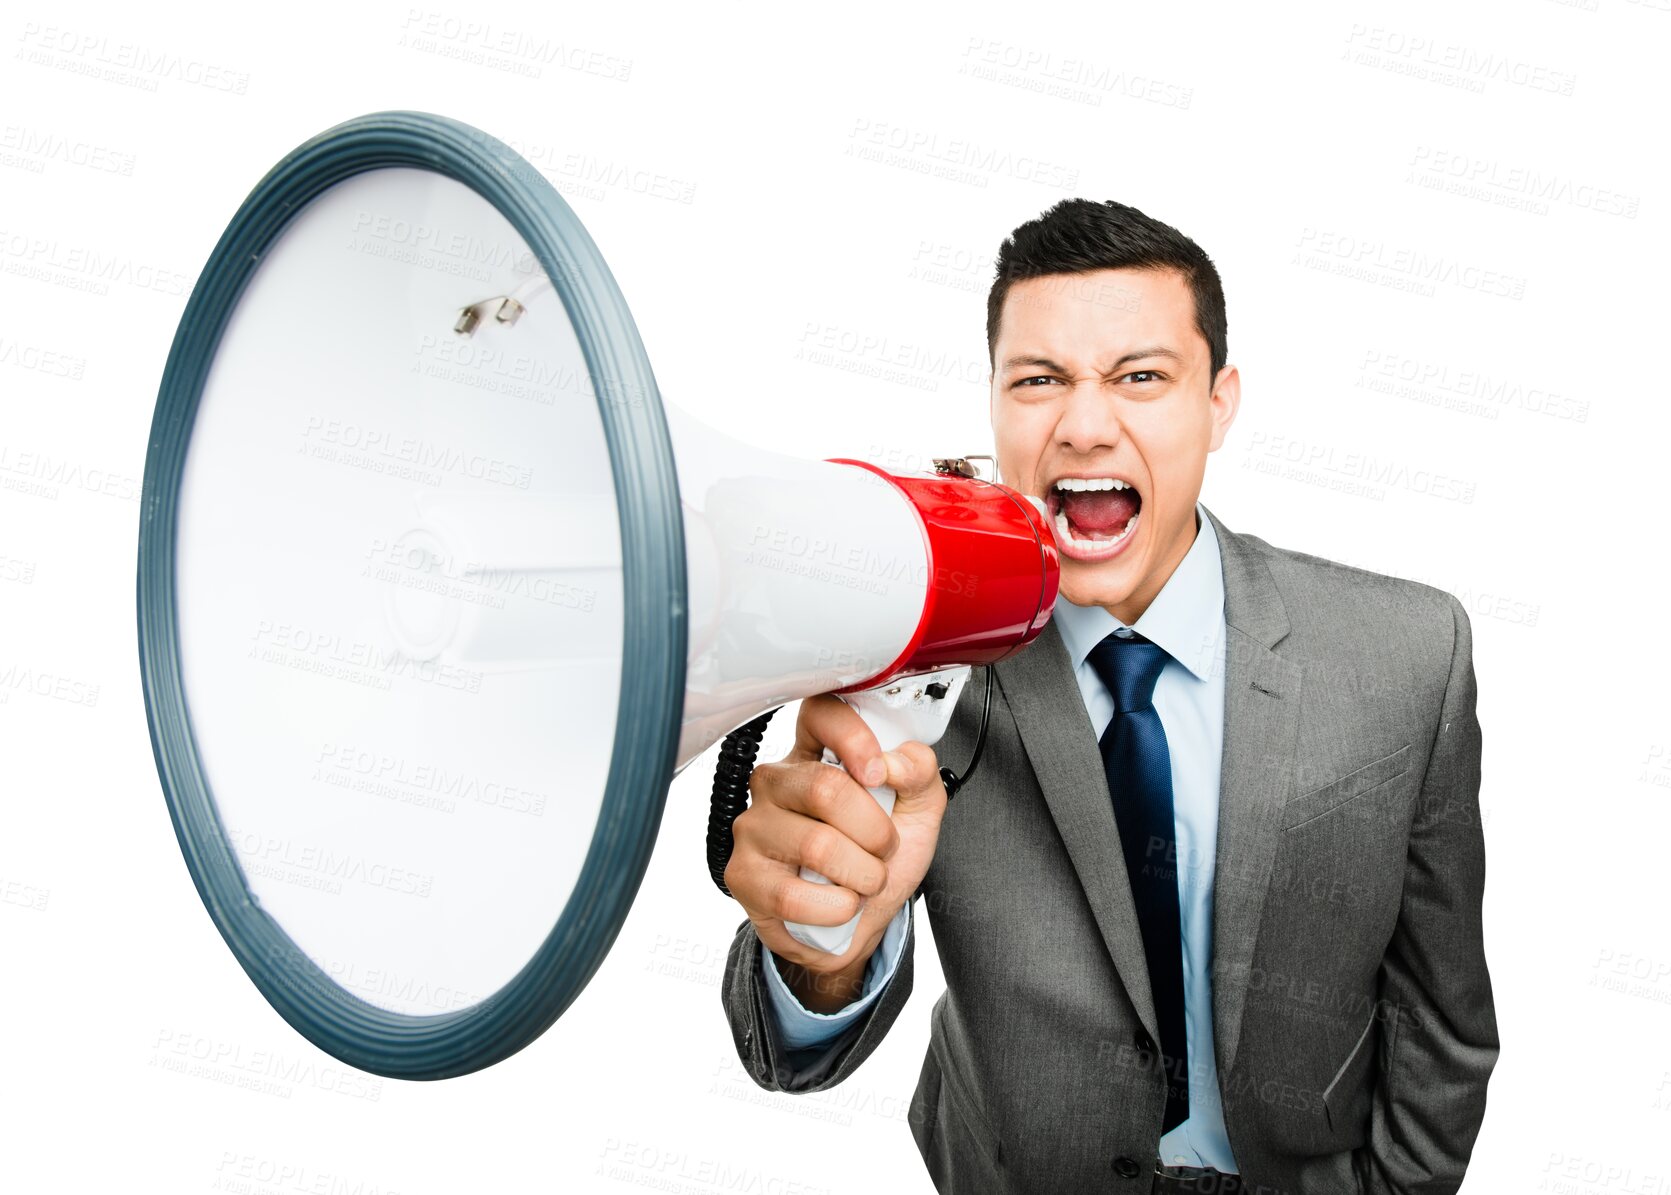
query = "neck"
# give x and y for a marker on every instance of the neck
(1130, 610)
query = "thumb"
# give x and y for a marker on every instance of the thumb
(914, 775)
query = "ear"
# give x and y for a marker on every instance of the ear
(1225, 401)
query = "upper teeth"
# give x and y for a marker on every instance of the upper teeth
(1092, 483)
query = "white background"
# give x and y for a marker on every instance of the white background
(1442, 231)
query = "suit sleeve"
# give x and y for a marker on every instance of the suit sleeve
(803, 1029)
(758, 1033)
(1430, 1093)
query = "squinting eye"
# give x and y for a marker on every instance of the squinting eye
(1030, 381)
(1144, 374)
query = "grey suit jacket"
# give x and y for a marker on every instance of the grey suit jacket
(1351, 1003)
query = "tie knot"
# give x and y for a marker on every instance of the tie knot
(1129, 667)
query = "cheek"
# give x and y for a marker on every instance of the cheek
(1018, 444)
(1175, 454)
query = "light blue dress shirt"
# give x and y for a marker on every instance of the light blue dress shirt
(1186, 620)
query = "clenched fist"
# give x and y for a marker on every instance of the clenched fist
(807, 813)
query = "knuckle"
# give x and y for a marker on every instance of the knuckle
(826, 791)
(794, 905)
(923, 763)
(776, 900)
(750, 836)
(764, 782)
(820, 848)
(920, 754)
(812, 713)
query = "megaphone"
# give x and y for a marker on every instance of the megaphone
(436, 596)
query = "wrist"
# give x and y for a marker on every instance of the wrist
(825, 991)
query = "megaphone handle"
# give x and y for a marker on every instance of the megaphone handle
(917, 707)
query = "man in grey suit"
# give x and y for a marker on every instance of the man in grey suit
(1209, 911)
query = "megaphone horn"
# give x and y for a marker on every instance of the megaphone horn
(435, 598)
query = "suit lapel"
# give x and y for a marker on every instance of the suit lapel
(1261, 716)
(1049, 711)
(1261, 719)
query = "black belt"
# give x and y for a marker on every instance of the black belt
(1194, 1180)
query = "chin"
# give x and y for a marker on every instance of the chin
(1095, 585)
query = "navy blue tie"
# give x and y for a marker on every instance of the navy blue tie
(1139, 768)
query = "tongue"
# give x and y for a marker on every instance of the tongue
(1099, 512)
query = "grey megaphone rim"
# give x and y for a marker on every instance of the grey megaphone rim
(654, 620)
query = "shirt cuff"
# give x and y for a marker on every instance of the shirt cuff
(802, 1028)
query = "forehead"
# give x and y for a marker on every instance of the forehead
(1100, 311)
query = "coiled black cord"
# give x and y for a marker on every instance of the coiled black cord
(736, 763)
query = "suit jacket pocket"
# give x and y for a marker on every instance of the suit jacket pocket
(1303, 808)
(963, 1105)
(1346, 1098)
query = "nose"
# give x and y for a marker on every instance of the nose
(1090, 421)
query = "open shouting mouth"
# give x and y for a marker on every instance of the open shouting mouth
(1094, 517)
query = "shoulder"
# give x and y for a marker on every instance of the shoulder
(1316, 580)
(1342, 610)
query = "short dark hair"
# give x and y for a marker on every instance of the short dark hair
(1077, 236)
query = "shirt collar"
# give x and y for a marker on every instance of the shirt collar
(1186, 619)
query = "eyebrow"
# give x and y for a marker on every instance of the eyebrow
(1154, 350)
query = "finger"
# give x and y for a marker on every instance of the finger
(913, 770)
(828, 721)
(780, 943)
(793, 840)
(784, 896)
(828, 794)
